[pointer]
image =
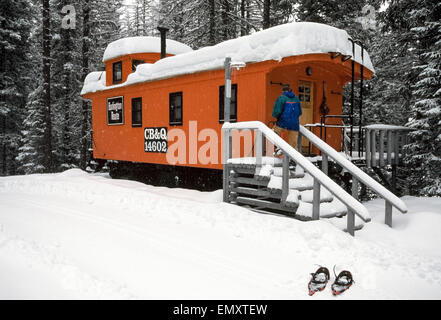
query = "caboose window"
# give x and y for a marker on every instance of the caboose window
(117, 72)
(175, 108)
(135, 63)
(233, 103)
(137, 112)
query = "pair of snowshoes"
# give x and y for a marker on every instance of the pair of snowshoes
(321, 277)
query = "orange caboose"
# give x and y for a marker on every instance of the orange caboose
(168, 113)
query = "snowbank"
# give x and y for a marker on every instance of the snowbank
(81, 236)
(291, 39)
(144, 44)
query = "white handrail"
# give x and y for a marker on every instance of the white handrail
(354, 170)
(358, 208)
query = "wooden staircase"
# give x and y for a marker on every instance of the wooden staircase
(293, 185)
(261, 191)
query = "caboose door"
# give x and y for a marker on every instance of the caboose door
(306, 97)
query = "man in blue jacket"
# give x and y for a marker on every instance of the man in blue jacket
(287, 111)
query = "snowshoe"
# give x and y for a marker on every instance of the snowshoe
(342, 283)
(319, 280)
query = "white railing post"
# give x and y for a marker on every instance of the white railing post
(403, 143)
(259, 149)
(325, 163)
(389, 147)
(226, 171)
(373, 149)
(351, 222)
(381, 148)
(285, 177)
(388, 214)
(396, 148)
(351, 215)
(316, 200)
(354, 187)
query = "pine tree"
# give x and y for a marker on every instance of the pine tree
(350, 16)
(191, 22)
(32, 147)
(31, 152)
(282, 11)
(66, 71)
(140, 18)
(85, 123)
(200, 23)
(266, 21)
(15, 62)
(425, 149)
(392, 52)
(100, 25)
(47, 108)
(105, 27)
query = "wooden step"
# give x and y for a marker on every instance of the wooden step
(261, 191)
(296, 173)
(249, 181)
(264, 172)
(325, 195)
(295, 196)
(305, 183)
(243, 170)
(327, 209)
(251, 161)
(292, 200)
(261, 204)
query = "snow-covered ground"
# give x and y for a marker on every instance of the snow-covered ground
(75, 235)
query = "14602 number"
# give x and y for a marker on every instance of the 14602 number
(155, 139)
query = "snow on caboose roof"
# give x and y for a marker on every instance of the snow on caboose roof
(142, 44)
(276, 43)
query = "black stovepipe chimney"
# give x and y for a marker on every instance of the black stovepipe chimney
(163, 31)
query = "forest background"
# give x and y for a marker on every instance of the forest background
(47, 47)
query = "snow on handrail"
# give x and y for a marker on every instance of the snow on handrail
(354, 170)
(387, 127)
(358, 208)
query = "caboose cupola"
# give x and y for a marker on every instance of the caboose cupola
(122, 56)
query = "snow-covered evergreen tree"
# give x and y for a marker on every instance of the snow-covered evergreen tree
(200, 23)
(281, 11)
(354, 17)
(425, 149)
(193, 23)
(389, 93)
(74, 51)
(32, 155)
(139, 18)
(101, 24)
(31, 152)
(65, 87)
(15, 62)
